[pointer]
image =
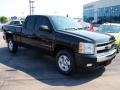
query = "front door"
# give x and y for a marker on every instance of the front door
(44, 39)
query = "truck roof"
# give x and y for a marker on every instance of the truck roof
(47, 15)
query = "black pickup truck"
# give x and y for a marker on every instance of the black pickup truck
(64, 39)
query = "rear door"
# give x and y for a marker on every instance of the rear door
(28, 32)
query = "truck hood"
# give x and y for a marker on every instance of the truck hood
(95, 36)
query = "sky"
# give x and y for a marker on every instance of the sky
(73, 8)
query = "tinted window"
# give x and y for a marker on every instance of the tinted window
(42, 21)
(30, 23)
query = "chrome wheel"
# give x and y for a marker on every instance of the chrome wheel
(64, 63)
(10, 45)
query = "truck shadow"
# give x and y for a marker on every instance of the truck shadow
(43, 68)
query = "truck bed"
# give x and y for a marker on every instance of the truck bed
(12, 28)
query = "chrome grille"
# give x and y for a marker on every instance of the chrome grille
(105, 47)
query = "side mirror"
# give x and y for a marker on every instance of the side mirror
(44, 28)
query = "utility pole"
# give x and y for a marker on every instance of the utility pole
(31, 6)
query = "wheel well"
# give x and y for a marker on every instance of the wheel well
(61, 47)
(8, 36)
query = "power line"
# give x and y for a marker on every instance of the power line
(31, 6)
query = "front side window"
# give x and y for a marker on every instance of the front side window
(42, 21)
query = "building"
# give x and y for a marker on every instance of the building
(102, 11)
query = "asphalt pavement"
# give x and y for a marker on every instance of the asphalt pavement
(30, 70)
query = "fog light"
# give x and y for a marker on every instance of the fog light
(89, 65)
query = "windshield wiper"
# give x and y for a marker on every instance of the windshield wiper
(73, 28)
(70, 28)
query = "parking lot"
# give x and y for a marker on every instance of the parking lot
(29, 70)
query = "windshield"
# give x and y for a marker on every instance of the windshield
(109, 28)
(65, 23)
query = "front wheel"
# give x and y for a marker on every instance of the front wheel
(65, 62)
(118, 49)
(12, 45)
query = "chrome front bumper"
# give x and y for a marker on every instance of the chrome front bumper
(106, 55)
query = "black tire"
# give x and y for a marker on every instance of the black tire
(118, 50)
(12, 45)
(70, 59)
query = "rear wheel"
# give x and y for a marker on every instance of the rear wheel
(12, 45)
(65, 62)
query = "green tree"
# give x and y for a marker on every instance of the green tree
(3, 19)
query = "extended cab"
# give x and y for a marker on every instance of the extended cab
(63, 38)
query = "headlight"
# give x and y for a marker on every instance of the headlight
(86, 48)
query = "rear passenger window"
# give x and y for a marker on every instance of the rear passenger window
(30, 23)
